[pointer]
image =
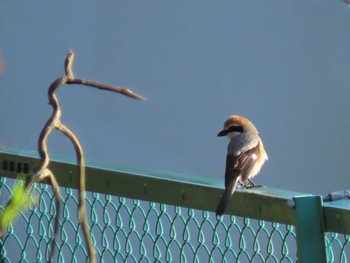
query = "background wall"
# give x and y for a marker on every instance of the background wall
(283, 64)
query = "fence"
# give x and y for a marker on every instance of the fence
(144, 216)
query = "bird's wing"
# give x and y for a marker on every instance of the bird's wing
(240, 165)
(237, 167)
(231, 172)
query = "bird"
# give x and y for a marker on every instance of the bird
(245, 156)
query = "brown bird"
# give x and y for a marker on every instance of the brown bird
(245, 156)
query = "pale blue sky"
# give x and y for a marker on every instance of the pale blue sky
(283, 64)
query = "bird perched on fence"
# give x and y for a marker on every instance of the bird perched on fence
(245, 156)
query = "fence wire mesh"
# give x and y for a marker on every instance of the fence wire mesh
(126, 230)
(338, 247)
(129, 230)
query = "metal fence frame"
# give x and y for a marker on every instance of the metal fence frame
(311, 217)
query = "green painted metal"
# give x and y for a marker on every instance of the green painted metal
(175, 189)
(310, 229)
(138, 215)
(337, 216)
(337, 220)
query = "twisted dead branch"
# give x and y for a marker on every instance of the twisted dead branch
(44, 173)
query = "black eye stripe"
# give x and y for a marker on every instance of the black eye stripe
(235, 129)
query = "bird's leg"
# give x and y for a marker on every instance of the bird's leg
(245, 184)
(250, 184)
(240, 184)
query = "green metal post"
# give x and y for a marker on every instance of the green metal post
(310, 229)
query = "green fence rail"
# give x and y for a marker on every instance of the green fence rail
(147, 216)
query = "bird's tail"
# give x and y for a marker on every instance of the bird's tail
(226, 196)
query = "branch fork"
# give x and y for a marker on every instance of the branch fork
(44, 173)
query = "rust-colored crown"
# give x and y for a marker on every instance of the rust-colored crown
(239, 121)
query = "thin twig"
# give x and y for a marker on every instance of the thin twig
(124, 91)
(82, 201)
(46, 174)
(68, 64)
(54, 122)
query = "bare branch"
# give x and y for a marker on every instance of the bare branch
(68, 64)
(124, 91)
(46, 174)
(54, 122)
(82, 181)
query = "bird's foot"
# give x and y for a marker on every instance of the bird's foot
(249, 184)
(240, 184)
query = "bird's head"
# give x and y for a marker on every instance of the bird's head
(236, 125)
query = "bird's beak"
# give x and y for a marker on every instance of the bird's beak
(222, 133)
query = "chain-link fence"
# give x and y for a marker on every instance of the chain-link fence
(134, 230)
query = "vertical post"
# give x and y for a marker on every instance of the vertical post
(311, 245)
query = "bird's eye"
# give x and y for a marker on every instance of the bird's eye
(235, 129)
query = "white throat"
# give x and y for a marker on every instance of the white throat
(231, 135)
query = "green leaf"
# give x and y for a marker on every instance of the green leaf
(20, 202)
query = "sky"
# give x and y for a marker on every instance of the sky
(282, 64)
